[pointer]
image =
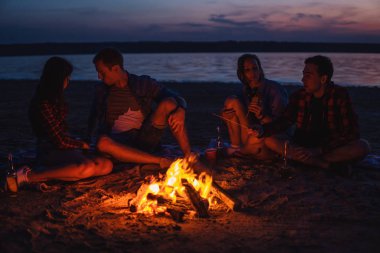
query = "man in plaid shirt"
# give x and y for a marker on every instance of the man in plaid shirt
(326, 126)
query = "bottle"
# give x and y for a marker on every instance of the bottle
(254, 98)
(11, 175)
(219, 144)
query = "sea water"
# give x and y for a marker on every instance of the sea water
(351, 69)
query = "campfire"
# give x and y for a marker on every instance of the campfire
(187, 187)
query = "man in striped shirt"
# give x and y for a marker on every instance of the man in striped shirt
(131, 112)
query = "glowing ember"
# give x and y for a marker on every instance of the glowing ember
(171, 187)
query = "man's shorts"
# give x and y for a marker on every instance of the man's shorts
(147, 138)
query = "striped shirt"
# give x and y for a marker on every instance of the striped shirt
(146, 91)
(123, 111)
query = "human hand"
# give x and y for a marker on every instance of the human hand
(256, 131)
(228, 113)
(256, 109)
(300, 153)
(85, 145)
(177, 119)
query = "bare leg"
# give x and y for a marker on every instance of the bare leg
(234, 131)
(182, 138)
(75, 167)
(234, 111)
(354, 151)
(124, 153)
(256, 147)
(160, 119)
(295, 152)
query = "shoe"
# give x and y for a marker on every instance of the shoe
(20, 179)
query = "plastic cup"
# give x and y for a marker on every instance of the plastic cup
(210, 155)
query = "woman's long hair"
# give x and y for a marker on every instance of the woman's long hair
(240, 67)
(50, 86)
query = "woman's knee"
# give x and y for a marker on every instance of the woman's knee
(231, 102)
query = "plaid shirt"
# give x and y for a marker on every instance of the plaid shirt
(48, 122)
(339, 118)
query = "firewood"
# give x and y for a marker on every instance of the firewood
(177, 215)
(220, 193)
(135, 203)
(199, 204)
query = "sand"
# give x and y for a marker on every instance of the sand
(304, 210)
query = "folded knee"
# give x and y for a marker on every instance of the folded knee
(231, 102)
(103, 143)
(167, 105)
(364, 147)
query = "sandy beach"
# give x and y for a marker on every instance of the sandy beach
(307, 210)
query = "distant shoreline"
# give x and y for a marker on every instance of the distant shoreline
(168, 82)
(186, 47)
(197, 84)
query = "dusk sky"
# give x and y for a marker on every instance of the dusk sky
(31, 21)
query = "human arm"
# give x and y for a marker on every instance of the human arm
(273, 105)
(285, 119)
(346, 128)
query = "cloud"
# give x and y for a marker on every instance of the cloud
(193, 25)
(222, 19)
(300, 16)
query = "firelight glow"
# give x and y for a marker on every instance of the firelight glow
(30, 21)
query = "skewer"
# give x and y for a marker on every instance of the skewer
(233, 122)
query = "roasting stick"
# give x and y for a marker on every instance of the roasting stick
(216, 115)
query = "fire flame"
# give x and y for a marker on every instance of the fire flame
(171, 187)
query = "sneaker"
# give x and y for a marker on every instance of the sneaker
(22, 176)
(12, 183)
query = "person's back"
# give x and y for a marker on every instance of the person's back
(38, 113)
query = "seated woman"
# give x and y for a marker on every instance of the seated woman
(62, 155)
(261, 102)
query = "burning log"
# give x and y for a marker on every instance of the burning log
(177, 215)
(220, 193)
(199, 204)
(187, 185)
(140, 197)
